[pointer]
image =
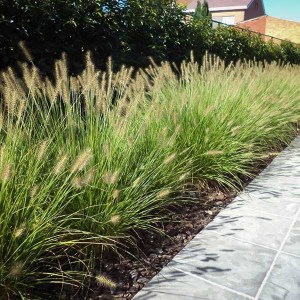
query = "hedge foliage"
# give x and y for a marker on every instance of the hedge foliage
(232, 44)
(128, 30)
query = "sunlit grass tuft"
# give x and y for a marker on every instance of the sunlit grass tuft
(87, 160)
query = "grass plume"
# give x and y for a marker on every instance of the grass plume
(87, 160)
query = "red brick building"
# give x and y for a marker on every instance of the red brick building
(229, 11)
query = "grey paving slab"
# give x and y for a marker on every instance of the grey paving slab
(174, 284)
(284, 281)
(285, 165)
(295, 143)
(251, 226)
(292, 245)
(271, 193)
(277, 185)
(251, 250)
(233, 264)
(281, 170)
(284, 183)
(279, 205)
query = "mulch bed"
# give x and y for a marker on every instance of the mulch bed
(156, 251)
(132, 272)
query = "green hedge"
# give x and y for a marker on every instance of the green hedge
(128, 30)
(232, 44)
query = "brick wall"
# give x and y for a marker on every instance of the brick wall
(258, 25)
(283, 29)
(278, 28)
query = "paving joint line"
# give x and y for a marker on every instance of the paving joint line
(215, 284)
(290, 254)
(276, 256)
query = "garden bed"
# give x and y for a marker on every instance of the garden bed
(131, 274)
(92, 166)
(155, 251)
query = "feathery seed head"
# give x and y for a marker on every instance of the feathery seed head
(230, 123)
(170, 158)
(61, 164)
(25, 51)
(184, 176)
(34, 190)
(65, 92)
(75, 85)
(50, 90)
(20, 230)
(164, 193)
(184, 151)
(176, 131)
(115, 220)
(162, 135)
(130, 142)
(214, 152)
(16, 270)
(2, 154)
(77, 182)
(235, 130)
(89, 177)
(136, 182)
(6, 173)
(105, 282)
(42, 150)
(110, 178)
(82, 161)
(115, 194)
(21, 109)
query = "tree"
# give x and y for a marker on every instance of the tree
(202, 11)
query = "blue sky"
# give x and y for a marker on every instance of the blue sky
(285, 9)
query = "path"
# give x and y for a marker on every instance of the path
(250, 251)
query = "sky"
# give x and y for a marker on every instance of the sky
(285, 9)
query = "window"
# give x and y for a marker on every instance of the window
(228, 20)
(216, 21)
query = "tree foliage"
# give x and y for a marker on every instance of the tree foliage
(202, 10)
(128, 30)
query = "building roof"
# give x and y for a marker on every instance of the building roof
(216, 5)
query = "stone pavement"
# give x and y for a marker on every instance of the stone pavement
(250, 251)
